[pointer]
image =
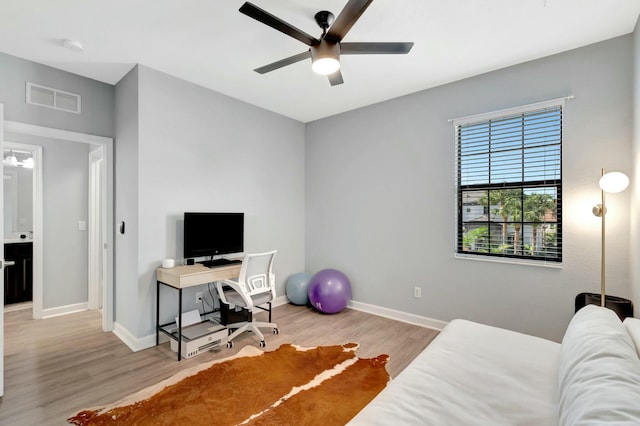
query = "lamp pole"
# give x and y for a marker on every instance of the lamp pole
(609, 182)
(603, 250)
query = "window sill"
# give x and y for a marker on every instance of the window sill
(511, 261)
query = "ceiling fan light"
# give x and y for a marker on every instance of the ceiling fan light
(325, 58)
(325, 66)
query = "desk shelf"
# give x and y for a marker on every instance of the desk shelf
(179, 278)
(199, 337)
(171, 329)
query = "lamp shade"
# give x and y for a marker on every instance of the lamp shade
(325, 58)
(614, 182)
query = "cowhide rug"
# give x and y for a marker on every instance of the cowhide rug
(325, 385)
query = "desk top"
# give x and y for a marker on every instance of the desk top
(184, 276)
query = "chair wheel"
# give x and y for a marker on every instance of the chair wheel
(230, 344)
(262, 343)
(276, 331)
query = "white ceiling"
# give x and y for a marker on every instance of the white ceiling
(208, 42)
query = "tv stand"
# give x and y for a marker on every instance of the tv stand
(219, 262)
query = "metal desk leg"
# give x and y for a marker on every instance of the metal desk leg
(179, 324)
(157, 312)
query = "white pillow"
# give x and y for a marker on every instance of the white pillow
(633, 328)
(599, 371)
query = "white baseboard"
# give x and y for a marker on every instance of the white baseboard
(397, 315)
(138, 344)
(135, 344)
(279, 301)
(64, 310)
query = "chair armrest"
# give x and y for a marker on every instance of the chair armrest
(236, 287)
(221, 295)
(272, 284)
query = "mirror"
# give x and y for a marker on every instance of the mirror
(18, 192)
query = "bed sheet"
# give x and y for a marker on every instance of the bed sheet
(473, 374)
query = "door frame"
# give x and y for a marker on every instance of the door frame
(97, 212)
(14, 127)
(2, 258)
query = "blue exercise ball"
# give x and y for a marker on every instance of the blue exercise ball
(297, 286)
(329, 291)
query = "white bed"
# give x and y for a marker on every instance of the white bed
(474, 374)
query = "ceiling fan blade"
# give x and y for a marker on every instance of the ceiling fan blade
(375, 48)
(276, 23)
(283, 62)
(335, 78)
(349, 15)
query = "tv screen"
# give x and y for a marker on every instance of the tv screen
(211, 234)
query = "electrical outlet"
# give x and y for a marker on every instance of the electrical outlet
(417, 292)
(198, 296)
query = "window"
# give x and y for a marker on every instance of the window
(509, 183)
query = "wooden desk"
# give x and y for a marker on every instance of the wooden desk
(181, 277)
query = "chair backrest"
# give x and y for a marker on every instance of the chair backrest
(256, 274)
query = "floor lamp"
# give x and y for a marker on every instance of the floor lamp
(611, 182)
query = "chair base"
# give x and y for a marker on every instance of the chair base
(253, 326)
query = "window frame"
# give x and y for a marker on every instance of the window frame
(555, 184)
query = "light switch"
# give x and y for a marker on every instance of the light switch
(82, 225)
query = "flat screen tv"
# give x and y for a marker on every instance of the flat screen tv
(212, 234)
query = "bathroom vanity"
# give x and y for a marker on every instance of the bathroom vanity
(18, 278)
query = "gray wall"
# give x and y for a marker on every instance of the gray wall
(65, 199)
(126, 206)
(199, 150)
(635, 175)
(97, 116)
(380, 194)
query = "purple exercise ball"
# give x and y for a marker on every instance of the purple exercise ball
(329, 291)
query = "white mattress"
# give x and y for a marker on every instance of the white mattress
(473, 374)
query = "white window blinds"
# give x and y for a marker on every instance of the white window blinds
(509, 184)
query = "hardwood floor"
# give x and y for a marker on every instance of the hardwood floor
(58, 366)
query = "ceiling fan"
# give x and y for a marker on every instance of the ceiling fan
(325, 51)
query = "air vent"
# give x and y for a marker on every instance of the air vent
(53, 98)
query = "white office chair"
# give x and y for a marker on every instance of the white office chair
(255, 287)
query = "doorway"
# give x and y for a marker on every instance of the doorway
(21, 177)
(99, 224)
